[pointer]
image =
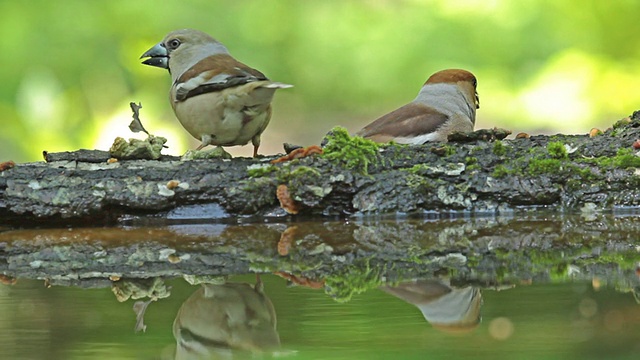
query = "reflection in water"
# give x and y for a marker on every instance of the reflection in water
(140, 307)
(559, 320)
(445, 307)
(217, 319)
(569, 309)
(153, 288)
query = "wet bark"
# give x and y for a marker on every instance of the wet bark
(562, 172)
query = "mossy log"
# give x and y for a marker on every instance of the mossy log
(469, 174)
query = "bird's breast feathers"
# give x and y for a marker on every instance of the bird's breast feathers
(233, 115)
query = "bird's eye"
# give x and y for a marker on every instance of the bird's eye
(173, 44)
(475, 82)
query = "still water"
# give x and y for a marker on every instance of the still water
(241, 315)
(572, 320)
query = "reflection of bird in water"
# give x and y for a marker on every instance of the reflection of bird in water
(218, 319)
(445, 307)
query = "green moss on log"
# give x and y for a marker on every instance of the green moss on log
(352, 152)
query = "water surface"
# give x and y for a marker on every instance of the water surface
(538, 288)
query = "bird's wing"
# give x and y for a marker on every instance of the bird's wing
(405, 122)
(214, 73)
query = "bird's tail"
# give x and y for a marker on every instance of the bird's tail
(276, 85)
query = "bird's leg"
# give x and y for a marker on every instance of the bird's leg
(206, 140)
(256, 144)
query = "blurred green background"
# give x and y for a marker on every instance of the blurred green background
(71, 67)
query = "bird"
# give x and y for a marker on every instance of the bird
(445, 307)
(217, 99)
(446, 103)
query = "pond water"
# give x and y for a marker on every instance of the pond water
(565, 309)
(573, 320)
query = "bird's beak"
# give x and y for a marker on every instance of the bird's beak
(157, 56)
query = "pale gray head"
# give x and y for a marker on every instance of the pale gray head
(465, 79)
(181, 49)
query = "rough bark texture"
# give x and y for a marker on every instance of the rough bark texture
(561, 172)
(346, 257)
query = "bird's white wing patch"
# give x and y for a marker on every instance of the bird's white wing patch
(183, 89)
(417, 140)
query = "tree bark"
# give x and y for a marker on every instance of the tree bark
(470, 174)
